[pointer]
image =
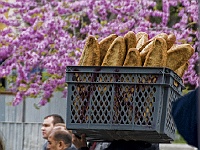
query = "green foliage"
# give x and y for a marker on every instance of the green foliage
(174, 18)
(154, 19)
(2, 84)
(179, 139)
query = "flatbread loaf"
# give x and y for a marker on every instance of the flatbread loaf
(130, 40)
(145, 51)
(181, 70)
(142, 41)
(179, 55)
(157, 55)
(133, 58)
(171, 39)
(116, 53)
(161, 35)
(91, 53)
(139, 35)
(104, 45)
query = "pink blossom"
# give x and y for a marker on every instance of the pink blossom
(43, 37)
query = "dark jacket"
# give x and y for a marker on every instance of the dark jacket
(132, 145)
(184, 113)
(129, 145)
(83, 148)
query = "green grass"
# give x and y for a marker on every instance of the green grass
(179, 139)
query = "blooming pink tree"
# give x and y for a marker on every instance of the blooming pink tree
(42, 37)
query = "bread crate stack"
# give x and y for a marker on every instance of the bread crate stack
(124, 86)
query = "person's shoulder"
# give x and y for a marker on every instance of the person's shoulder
(74, 148)
(83, 148)
(71, 148)
(45, 145)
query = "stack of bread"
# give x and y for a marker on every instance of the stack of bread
(137, 50)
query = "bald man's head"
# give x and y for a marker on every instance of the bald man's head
(59, 139)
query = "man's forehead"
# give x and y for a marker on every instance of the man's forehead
(48, 120)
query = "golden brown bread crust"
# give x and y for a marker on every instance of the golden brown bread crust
(139, 35)
(179, 55)
(145, 51)
(160, 35)
(133, 58)
(91, 53)
(156, 52)
(104, 45)
(171, 39)
(130, 40)
(181, 70)
(144, 45)
(173, 46)
(142, 41)
(157, 55)
(116, 53)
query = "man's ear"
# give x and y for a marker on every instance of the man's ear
(61, 145)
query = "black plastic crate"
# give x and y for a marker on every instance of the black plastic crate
(130, 103)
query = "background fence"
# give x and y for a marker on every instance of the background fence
(20, 126)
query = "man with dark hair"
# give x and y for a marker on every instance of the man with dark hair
(56, 118)
(48, 124)
(60, 140)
